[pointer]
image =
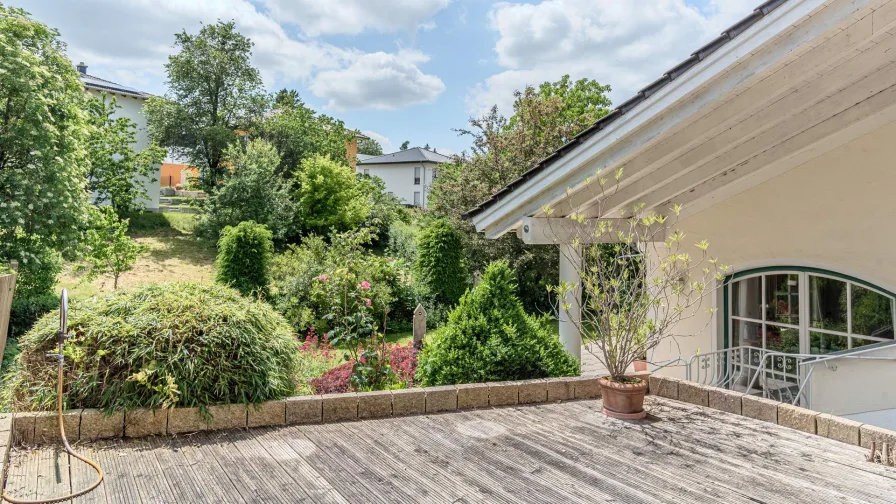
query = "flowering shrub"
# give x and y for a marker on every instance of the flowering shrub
(402, 360)
(316, 356)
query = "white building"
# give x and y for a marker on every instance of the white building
(408, 174)
(131, 102)
(777, 138)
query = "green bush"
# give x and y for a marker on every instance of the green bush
(489, 337)
(156, 346)
(440, 261)
(403, 242)
(244, 258)
(329, 196)
(252, 191)
(296, 290)
(37, 276)
(26, 311)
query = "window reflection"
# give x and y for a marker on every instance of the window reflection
(827, 303)
(782, 294)
(820, 343)
(747, 334)
(872, 313)
(746, 298)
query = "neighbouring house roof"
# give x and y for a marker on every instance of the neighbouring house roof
(362, 157)
(415, 155)
(93, 82)
(669, 76)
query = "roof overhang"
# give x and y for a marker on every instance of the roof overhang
(806, 78)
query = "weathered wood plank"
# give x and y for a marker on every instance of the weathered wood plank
(119, 482)
(277, 480)
(305, 475)
(210, 475)
(82, 476)
(184, 483)
(53, 480)
(250, 485)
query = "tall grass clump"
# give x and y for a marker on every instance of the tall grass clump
(157, 346)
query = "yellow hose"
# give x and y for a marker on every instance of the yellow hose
(68, 448)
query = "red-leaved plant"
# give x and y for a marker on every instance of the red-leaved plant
(402, 360)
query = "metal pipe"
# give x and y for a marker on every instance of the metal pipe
(63, 327)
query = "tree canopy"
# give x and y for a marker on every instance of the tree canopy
(117, 172)
(43, 134)
(298, 132)
(370, 147)
(214, 95)
(329, 196)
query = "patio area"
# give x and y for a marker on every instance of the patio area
(563, 452)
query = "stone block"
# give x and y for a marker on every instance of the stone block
(410, 401)
(472, 396)
(441, 398)
(340, 407)
(5, 422)
(693, 393)
(97, 425)
(145, 422)
(375, 404)
(797, 418)
(664, 386)
(182, 420)
(722, 399)
(560, 389)
(839, 429)
(879, 435)
(266, 414)
(586, 387)
(503, 393)
(304, 410)
(23, 428)
(227, 416)
(46, 426)
(533, 391)
(759, 408)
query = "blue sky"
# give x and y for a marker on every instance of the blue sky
(402, 69)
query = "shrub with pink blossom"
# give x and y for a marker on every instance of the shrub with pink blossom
(402, 360)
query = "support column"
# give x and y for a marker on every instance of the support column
(570, 265)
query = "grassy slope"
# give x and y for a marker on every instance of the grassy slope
(174, 255)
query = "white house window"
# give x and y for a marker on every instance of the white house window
(366, 171)
(416, 198)
(435, 173)
(416, 175)
(806, 311)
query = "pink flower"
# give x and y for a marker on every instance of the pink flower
(323, 278)
(365, 285)
(368, 302)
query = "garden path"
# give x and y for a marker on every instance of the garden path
(563, 452)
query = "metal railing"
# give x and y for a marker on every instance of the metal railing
(782, 377)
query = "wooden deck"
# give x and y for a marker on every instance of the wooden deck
(565, 452)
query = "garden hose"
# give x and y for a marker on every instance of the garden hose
(63, 323)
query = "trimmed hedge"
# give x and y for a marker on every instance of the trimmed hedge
(489, 337)
(245, 253)
(158, 346)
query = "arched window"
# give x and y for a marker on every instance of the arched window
(805, 310)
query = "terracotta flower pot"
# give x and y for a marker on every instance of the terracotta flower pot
(623, 400)
(640, 365)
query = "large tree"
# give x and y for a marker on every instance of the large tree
(298, 132)
(43, 129)
(543, 119)
(117, 172)
(370, 147)
(214, 95)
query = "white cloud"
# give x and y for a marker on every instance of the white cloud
(130, 40)
(351, 17)
(378, 80)
(382, 139)
(624, 44)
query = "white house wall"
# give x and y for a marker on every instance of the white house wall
(399, 179)
(132, 108)
(834, 212)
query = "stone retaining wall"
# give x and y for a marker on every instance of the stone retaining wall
(89, 425)
(766, 410)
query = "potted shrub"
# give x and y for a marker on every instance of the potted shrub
(639, 279)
